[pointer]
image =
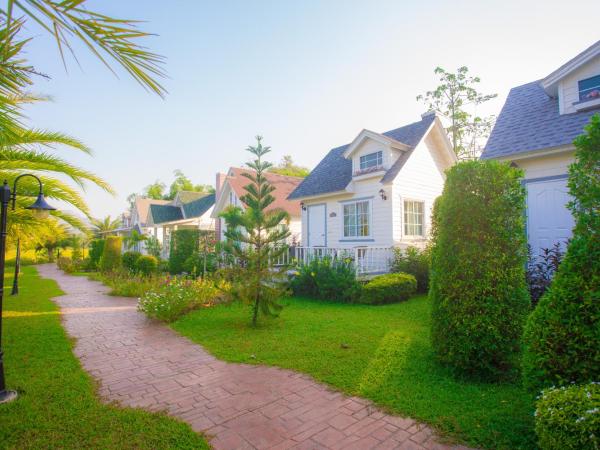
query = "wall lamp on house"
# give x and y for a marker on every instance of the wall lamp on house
(382, 194)
(303, 206)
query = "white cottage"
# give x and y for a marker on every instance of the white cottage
(375, 193)
(535, 131)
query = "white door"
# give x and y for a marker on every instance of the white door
(548, 219)
(316, 226)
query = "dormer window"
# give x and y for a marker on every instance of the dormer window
(371, 161)
(589, 89)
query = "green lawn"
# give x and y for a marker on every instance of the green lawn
(382, 353)
(57, 405)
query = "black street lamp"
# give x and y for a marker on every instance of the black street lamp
(40, 209)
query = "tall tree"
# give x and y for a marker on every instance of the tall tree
(289, 168)
(155, 190)
(103, 227)
(456, 98)
(183, 183)
(256, 238)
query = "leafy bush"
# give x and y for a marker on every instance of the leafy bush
(389, 288)
(66, 264)
(568, 418)
(126, 284)
(183, 244)
(478, 292)
(130, 260)
(177, 296)
(562, 334)
(111, 256)
(153, 246)
(541, 269)
(96, 250)
(146, 265)
(194, 265)
(415, 262)
(327, 279)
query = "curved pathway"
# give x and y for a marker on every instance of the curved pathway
(141, 363)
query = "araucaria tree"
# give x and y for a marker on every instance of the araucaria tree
(562, 336)
(256, 238)
(457, 98)
(477, 286)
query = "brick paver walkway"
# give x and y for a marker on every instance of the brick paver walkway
(141, 363)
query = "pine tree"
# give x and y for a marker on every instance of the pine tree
(256, 238)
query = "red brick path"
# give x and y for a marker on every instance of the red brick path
(141, 363)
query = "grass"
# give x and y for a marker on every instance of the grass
(57, 405)
(382, 353)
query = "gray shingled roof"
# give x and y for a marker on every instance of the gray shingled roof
(165, 213)
(334, 172)
(198, 207)
(530, 121)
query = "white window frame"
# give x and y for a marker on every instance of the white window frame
(378, 160)
(405, 222)
(369, 218)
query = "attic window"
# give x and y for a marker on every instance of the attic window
(371, 160)
(589, 89)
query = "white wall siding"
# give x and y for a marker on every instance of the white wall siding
(546, 166)
(421, 179)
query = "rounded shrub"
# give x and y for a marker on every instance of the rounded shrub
(562, 335)
(477, 286)
(146, 265)
(130, 260)
(389, 288)
(568, 418)
(111, 256)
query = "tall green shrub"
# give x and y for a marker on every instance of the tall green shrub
(562, 336)
(111, 256)
(415, 262)
(96, 250)
(477, 287)
(183, 244)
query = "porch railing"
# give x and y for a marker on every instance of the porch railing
(366, 260)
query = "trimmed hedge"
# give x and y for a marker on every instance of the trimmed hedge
(111, 256)
(146, 265)
(562, 336)
(183, 245)
(96, 250)
(389, 288)
(568, 418)
(477, 286)
(130, 260)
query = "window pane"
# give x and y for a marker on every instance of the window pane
(413, 218)
(371, 160)
(356, 219)
(589, 89)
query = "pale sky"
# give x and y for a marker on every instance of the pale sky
(307, 75)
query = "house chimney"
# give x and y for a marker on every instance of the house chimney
(427, 114)
(219, 180)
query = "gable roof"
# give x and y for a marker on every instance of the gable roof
(284, 185)
(165, 213)
(334, 172)
(530, 120)
(142, 205)
(196, 208)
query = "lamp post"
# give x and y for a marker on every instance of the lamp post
(41, 209)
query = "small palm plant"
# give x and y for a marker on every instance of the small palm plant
(256, 238)
(104, 226)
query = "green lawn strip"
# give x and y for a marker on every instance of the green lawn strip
(379, 352)
(57, 405)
